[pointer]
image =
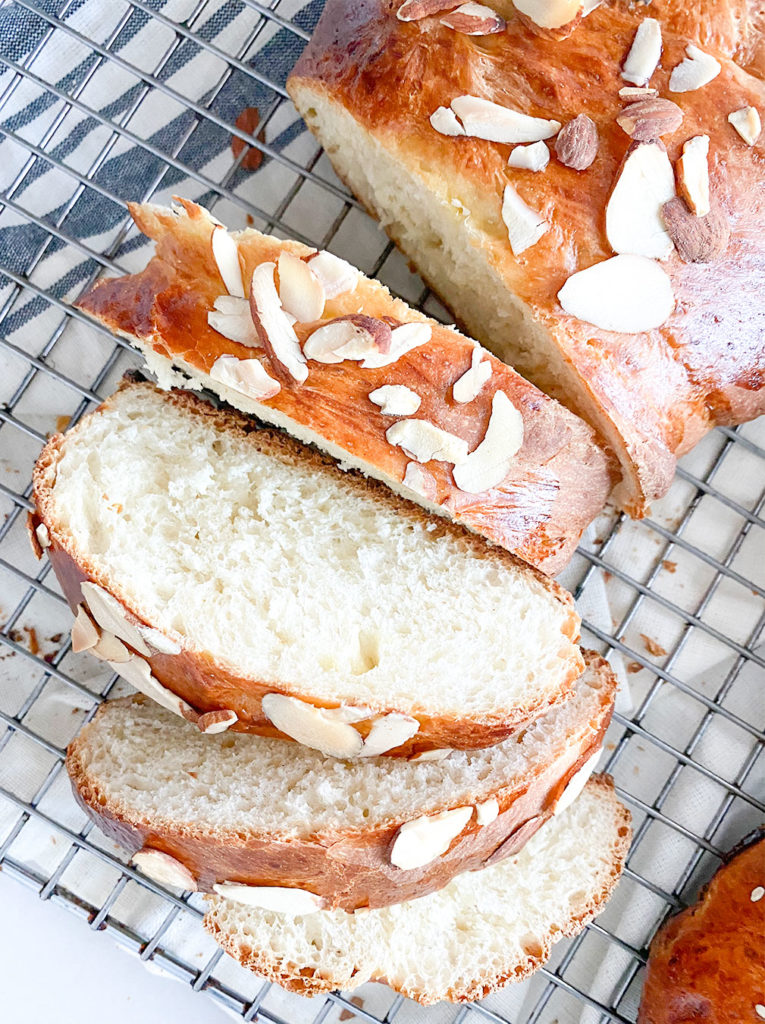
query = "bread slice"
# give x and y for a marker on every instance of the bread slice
(259, 580)
(260, 812)
(483, 930)
(556, 477)
(367, 85)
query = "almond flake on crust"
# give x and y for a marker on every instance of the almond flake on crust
(274, 329)
(226, 255)
(422, 840)
(550, 14)
(163, 868)
(396, 400)
(245, 376)
(633, 93)
(445, 122)
(425, 442)
(645, 53)
(137, 672)
(524, 226)
(488, 464)
(231, 318)
(387, 732)
(300, 290)
(212, 722)
(634, 222)
(337, 276)
(577, 782)
(627, 294)
(693, 175)
(747, 123)
(483, 119)
(110, 649)
(85, 633)
(696, 70)
(112, 615)
(314, 727)
(534, 157)
(487, 812)
(473, 19)
(469, 385)
(276, 898)
(403, 339)
(354, 336)
(419, 480)
(43, 536)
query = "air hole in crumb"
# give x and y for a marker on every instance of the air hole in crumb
(368, 655)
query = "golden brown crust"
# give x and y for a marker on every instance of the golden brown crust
(559, 480)
(306, 982)
(209, 686)
(349, 868)
(707, 964)
(659, 392)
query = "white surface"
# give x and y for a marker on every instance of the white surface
(46, 953)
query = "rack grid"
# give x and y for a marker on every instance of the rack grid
(144, 100)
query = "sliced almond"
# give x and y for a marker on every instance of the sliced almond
(164, 869)
(85, 633)
(278, 899)
(487, 812)
(444, 120)
(516, 841)
(488, 465)
(231, 318)
(110, 649)
(159, 641)
(486, 120)
(534, 157)
(747, 123)
(43, 537)
(649, 119)
(419, 480)
(274, 329)
(337, 276)
(387, 732)
(697, 239)
(634, 223)
(469, 385)
(549, 13)
(696, 70)
(645, 53)
(627, 294)
(577, 782)
(226, 255)
(472, 19)
(245, 376)
(111, 615)
(577, 143)
(413, 10)
(422, 840)
(312, 726)
(354, 336)
(300, 290)
(217, 721)
(137, 672)
(403, 339)
(693, 175)
(433, 755)
(524, 226)
(396, 400)
(632, 93)
(425, 442)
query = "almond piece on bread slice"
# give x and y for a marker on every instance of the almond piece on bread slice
(370, 815)
(463, 942)
(314, 377)
(238, 570)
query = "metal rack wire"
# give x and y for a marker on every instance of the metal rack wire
(684, 588)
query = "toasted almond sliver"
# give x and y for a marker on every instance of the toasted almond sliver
(403, 339)
(419, 480)
(487, 812)
(300, 290)
(422, 840)
(696, 70)
(472, 380)
(274, 329)
(163, 868)
(278, 899)
(337, 276)
(111, 615)
(387, 732)
(43, 537)
(693, 175)
(473, 19)
(231, 318)
(524, 226)
(549, 13)
(747, 123)
(484, 119)
(354, 336)
(534, 157)
(627, 294)
(633, 93)
(85, 633)
(425, 442)
(226, 254)
(212, 722)
(396, 400)
(634, 222)
(577, 782)
(645, 53)
(314, 727)
(138, 673)
(245, 376)
(444, 120)
(489, 463)
(110, 649)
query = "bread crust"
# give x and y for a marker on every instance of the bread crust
(306, 982)
(205, 684)
(652, 395)
(350, 868)
(558, 482)
(707, 963)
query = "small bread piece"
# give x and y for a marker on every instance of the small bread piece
(555, 483)
(482, 931)
(707, 964)
(293, 818)
(367, 85)
(241, 571)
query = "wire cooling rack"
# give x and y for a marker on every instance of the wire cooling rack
(102, 102)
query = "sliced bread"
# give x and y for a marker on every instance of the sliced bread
(259, 587)
(483, 930)
(540, 476)
(278, 821)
